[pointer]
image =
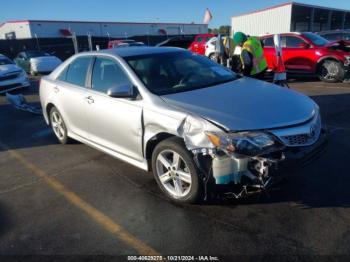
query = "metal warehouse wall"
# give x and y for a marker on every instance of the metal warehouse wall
(276, 20)
(51, 29)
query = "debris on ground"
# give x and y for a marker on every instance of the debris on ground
(19, 102)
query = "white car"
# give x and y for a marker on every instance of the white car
(37, 62)
(210, 49)
(11, 76)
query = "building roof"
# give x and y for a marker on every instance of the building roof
(94, 22)
(291, 3)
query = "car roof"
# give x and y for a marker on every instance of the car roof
(139, 50)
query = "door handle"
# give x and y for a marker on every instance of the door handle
(56, 89)
(89, 99)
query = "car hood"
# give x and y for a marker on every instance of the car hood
(246, 104)
(6, 69)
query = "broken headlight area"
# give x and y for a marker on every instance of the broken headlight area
(248, 144)
(241, 162)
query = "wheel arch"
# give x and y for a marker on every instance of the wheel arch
(152, 143)
(326, 58)
(48, 108)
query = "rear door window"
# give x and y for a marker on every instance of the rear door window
(106, 74)
(77, 71)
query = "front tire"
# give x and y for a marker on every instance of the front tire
(331, 71)
(175, 171)
(58, 126)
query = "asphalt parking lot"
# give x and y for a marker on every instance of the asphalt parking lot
(75, 200)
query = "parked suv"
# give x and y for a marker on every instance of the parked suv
(309, 53)
(198, 45)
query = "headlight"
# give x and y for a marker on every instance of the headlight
(243, 143)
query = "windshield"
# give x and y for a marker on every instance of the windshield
(32, 54)
(175, 72)
(5, 61)
(316, 39)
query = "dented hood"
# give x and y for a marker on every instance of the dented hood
(245, 104)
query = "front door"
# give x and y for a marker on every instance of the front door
(296, 54)
(114, 123)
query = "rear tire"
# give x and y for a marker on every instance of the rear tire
(58, 126)
(176, 172)
(331, 71)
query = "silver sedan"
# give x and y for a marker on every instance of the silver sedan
(197, 125)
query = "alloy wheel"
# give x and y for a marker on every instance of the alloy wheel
(173, 173)
(57, 125)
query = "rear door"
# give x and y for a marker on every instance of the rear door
(114, 123)
(71, 91)
(298, 55)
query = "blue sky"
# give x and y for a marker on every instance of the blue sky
(142, 10)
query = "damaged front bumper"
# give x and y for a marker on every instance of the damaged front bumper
(233, 177)
(245, 163)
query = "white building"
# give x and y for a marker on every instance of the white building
(49, 29)
(290, 17)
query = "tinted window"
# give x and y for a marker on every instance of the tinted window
(268, 42)
(316, 39)
(107, 74)
(77, 70)
(293, 41)
(176, 72)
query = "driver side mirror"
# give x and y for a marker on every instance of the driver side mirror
(123, 91)
(304, 45)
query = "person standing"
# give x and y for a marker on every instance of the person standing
(252, 56)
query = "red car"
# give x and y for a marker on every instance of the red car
(198, 45)
(308, 53)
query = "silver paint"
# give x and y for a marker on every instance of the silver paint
(123, 127)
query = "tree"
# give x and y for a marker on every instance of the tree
(223, 29)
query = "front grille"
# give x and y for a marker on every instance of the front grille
(9, 77)
(304, 135)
